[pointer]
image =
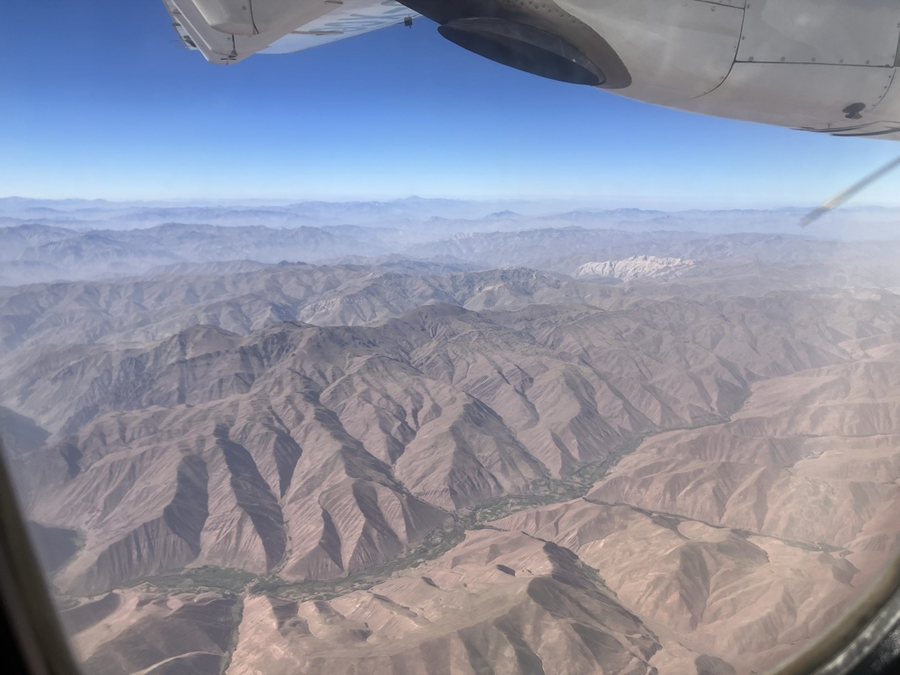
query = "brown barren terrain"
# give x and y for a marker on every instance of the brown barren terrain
(505, 473)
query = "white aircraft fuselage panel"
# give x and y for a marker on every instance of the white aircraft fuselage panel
(818, 65)
(674, 50)
(850, 32)
(796, 94)
(726, 3)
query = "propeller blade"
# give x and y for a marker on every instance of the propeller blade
(840, 198)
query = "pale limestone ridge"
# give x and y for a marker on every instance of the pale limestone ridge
(637, 267)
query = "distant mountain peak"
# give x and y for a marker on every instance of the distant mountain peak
(503, 215)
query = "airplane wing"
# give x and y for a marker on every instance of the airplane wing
(228, 31)
(824, 66)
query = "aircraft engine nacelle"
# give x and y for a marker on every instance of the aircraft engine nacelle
(820, 65)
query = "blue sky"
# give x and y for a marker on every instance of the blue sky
(98, 99)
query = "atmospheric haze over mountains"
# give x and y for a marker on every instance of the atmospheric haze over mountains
(438, 437)
(43, 240)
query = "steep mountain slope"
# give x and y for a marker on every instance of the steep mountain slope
(426, 491)
(319, 451)
(744, 600)
(747, 536)
(823, 470)
(243, 296)
(499, 602)
(133, 632)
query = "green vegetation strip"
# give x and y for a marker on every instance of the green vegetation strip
(541, 492)
(199, 579)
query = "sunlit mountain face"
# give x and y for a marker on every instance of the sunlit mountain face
(447, 436)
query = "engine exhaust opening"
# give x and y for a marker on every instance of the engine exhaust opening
(523, 47)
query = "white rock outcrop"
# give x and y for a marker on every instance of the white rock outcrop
(636, 267)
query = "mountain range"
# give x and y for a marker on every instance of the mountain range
(45, 240)
(420, 463)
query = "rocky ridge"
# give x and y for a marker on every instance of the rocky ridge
(636, 267)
